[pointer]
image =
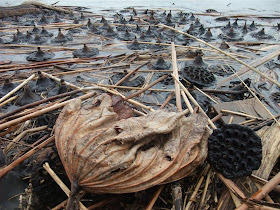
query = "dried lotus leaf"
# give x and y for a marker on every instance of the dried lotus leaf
(102, 154)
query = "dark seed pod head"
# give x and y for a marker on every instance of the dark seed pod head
(2, 158)
(169, 15)
(138, 28)
(60, 35)
(198, 61)
(56, 19)
(234, 151)
(228, 26)
(191, 28)
(62, 87)
(76, 21)
(85, 52)
(110, 30)
(19, 34)
(89, 23)
(183, 20)
(103, 20)
(27, 97)
(28, 35)
(208, 33)
(142, 37)
(43, 20)
(161, 64)
(197, 22)
(192, 17)
(43, 81)
(235, 24)
(135, 45)
(134, 12)
(245, 29)
(131, 19)
(35, 29)
(39, 55)
(252, 26)
(44, 32)
(201, 29)
(7, 86)
(15, 39)
(261, 32)
(224, 45)
(82, 17)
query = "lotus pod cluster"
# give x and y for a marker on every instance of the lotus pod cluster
(234, 151)
(102, 153)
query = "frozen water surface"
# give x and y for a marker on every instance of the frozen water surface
(232, 6)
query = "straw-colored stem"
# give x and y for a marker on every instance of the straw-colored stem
(8, 100)
(240, 114)
(267, 197)
(21, 135)
(129, 100)
(62, 205)
(129, 88)
(192, 198)
(17, 88)
(58, 80)
(12, 165)
(194, 101)
(130, 73)
(187, 102)
(231, 186)
(167, 100)
(43, 111)
(91, 69)
(60, 183)
(146, 88)
(202, 92)
(261, 193)
(207, 182)
(230, 120)
(7, 114)
(263, 182)
(155, 197)
(175, 72)
(225, 53)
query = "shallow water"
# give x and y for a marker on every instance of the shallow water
(258, 7)
(233, 6)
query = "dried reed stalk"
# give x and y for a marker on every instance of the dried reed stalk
(131, 72)
(11, 166)
(223, 52)
(43, 111)
(60, 183)
(21, 135)
(17, 88)
(175, 72)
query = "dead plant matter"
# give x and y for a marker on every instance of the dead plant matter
(102, 154)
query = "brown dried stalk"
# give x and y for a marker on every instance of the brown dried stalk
(175, 72)
(131, 72)
(60, 183)
(38, 103)
(146, 88)
(17, 88)
(22, 134)
(43, 111)
(25, 156)
(155, 197)
(223, 52)
(261, 193)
